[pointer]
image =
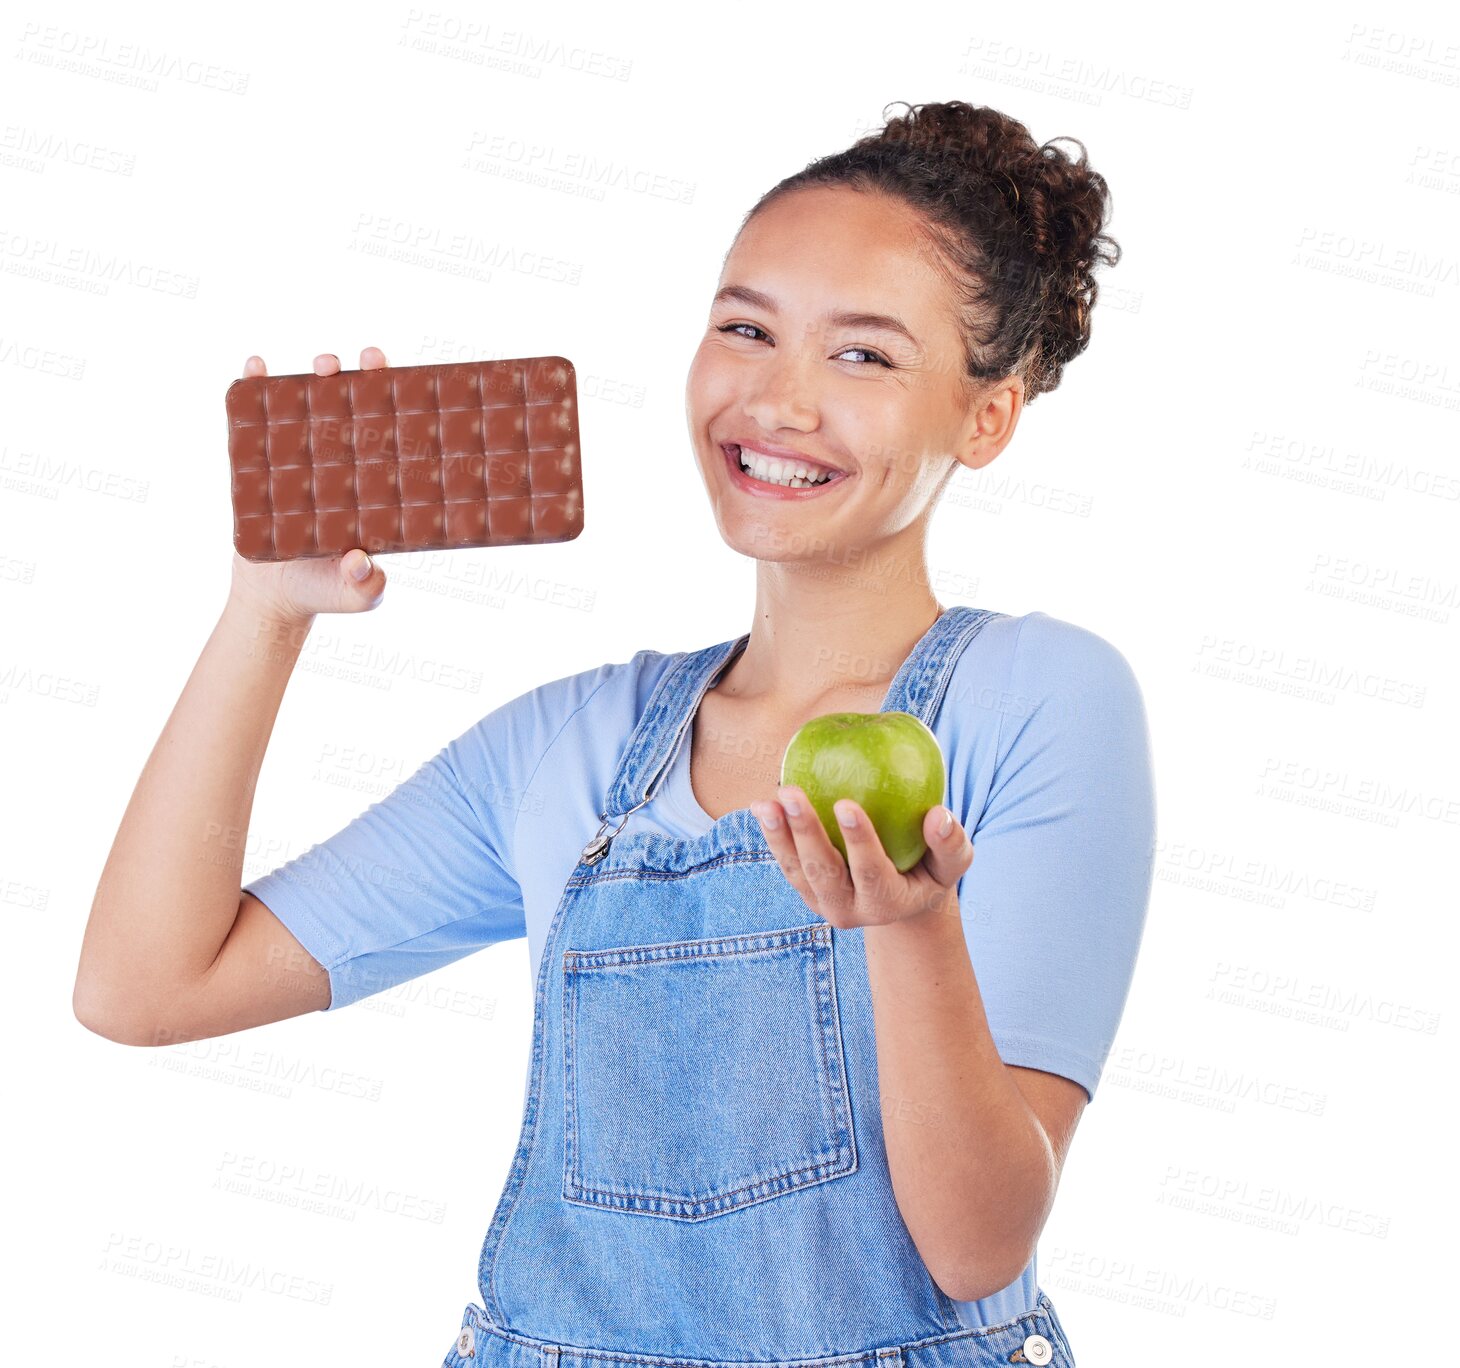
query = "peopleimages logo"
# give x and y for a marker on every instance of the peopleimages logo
(1322, 1004)
(1152, 1288)
(217, 1275)
(332, 1194)
(1240, 1200)
(1210, 1084)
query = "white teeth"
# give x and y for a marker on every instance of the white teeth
(772, 470)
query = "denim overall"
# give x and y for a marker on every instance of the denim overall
(701, 1176)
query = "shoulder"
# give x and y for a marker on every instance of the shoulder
(1041, 651)
(604, 686)
(1061, 736)
(612, 688)
(1041, 676)
(1074, 714)
(1058, 658)
(594, 706)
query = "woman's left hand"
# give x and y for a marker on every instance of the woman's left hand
(866, 888)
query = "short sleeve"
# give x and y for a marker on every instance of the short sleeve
(1055, 901)
(419, 879)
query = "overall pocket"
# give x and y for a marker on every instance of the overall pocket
(700, 1076)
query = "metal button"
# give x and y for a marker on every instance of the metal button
(1037, 1349)
(466, 1342)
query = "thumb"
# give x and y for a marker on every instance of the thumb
(950, 855)
(364, 581)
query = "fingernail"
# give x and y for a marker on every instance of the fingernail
(793, 808)
(767, 818)
(846, 816)
(363, 568)
(946, 825)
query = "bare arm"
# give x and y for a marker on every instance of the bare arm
(173, 949)
(170, 891)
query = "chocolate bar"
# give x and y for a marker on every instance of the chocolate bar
(405, 458)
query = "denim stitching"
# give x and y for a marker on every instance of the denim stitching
(837, 1087)
(839, 1046)
(938, 667)
(648, 723)
(612, 875)
(527, 1140)
(570, 1083)
(701, 1209)
(1057, 1332)
(830, 1113)
(646, 754)
(834, 1090)
(869, 1356)
(654, 754)
(791, 938)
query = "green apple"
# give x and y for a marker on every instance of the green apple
(888, 763)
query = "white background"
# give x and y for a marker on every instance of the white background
(1248, 484)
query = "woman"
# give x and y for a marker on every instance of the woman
(780, 1105)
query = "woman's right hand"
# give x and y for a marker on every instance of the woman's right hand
(295, 590)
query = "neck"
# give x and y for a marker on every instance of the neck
(818, 632)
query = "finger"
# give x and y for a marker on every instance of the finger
(948, 857)
(821, 862)
(254, 366)
(772, 819)
(874, 877)
(327, 363)
(372, 358)
(363, 579)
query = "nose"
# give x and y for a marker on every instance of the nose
(783, 395)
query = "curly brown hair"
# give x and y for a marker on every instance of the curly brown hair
(1015, 227)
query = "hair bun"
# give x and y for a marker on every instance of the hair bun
(1058, 204)
(1035, 182)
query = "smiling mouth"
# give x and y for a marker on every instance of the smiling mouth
(784, 472)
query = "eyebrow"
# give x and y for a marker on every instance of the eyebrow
(841, 318)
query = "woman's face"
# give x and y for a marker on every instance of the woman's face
(786, 365)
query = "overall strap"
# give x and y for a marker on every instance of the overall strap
(656, 740)
(917, 688)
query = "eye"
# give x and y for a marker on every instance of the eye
(877, 357)
(732, 327)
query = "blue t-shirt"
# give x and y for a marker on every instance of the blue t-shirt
(1044, 732)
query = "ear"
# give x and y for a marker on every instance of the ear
(993, 414)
